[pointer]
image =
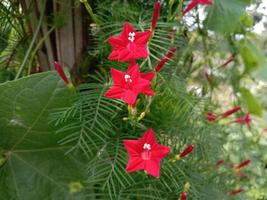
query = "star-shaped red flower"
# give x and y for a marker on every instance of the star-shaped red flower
(127, 85)
(129, 45)
(145, 154)
(194, 3)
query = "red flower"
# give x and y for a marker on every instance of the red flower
(211, 117)
(230, 112)
(165, 59)
(127, 85)
(242, 165)
(194, 3)
(244, 120)
(61, 73)
(155, 15)
(145, 154)
(187, 150)
(129, 45)
(183, 196)
(236, 192)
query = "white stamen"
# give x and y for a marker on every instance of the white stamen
(131, 36)
(147, 146)
(128, 78)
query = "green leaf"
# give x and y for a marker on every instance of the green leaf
(224, 16)
(253, 105)
(36, 166)
(249, 55)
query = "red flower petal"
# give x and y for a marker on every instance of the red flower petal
(133, 147)
(160, 152)
(116, 42)
(115, 92)
(152, 167)
(149, 137)
(117, 76)
(129, 97)
(148, 76)
(142, 37)
(126, 29)
(114, 55)
(135, 164)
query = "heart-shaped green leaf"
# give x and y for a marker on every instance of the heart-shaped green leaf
(34, 166)
(224, 16)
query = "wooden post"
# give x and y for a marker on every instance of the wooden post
(65, 44)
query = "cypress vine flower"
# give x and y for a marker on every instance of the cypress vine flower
(242, 165)
(165, 59)
(129, 45)
(211, 116)
(236, 192)
(127, 85)
(62, 75)
(185, 152)
(145, 154)
(183, 196)
(230, 112)
(194, 3)
(155, 15)
(244, 120)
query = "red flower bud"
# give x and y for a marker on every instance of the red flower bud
(219, 162)
(243, 164)
(211, 117)
(155, 15)
(183, 196)
(187, 150)
(230, 112)
(61, 73)
(165, 59)
(236, 192)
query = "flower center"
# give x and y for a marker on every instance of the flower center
(147, 146)
(146, 154)
(127, 78)
(131, 36)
